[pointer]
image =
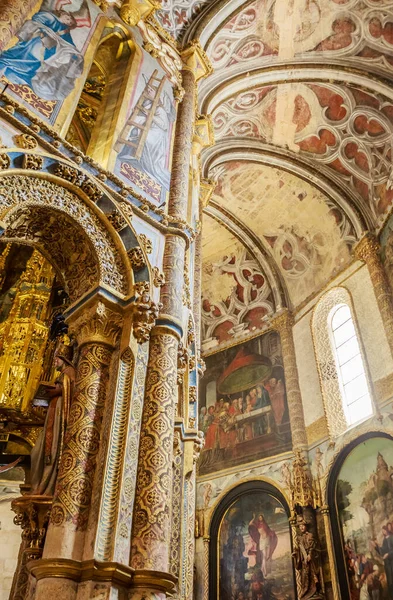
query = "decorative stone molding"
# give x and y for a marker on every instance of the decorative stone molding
(145, 312)
(80, 180)
(117, 220)
(145, 243)
(34, 162)
(4, 161)
(32, 514)
(26, 141)
(137, 258)
(97, 324)
(158, 277)
(203, 134)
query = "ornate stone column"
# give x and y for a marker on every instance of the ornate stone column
(97, 330)
(368, 250)
(151, 531)
(206, 553)
(283, 324)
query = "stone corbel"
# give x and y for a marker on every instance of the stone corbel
(134, 11)
(196, 60)
(145, 312)
(97, 324)
(203, 134)
(206, 188)
(32, 514)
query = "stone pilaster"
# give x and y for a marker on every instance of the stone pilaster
(97, 331)
(151, 531)
(368, 250)
(206, 554)
(283, 324)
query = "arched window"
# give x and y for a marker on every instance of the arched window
(341, 364)
(350, 368)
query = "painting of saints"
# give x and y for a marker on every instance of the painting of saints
(45, 58)
(244, 410)
(255, 550)
(365, 510)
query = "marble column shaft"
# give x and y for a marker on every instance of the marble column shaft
(284, 324)
(368, 250)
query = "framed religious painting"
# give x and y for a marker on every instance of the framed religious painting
(361, 490)
(251, 546)
(243, 404)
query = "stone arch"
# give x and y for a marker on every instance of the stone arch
(85, 233)
(228, 500)
(326, 362)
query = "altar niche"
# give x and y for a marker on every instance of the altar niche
(251, 546)
(243, 404)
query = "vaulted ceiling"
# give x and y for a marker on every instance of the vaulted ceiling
(301, 100)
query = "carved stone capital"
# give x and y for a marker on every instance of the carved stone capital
(133, 11)
(145, 312)
(282, 321)
(97, 324)
(203, 134)
(206, 189)
(196, 60)
(32, 514)
(367, 248)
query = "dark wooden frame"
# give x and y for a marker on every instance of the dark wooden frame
(240, 490)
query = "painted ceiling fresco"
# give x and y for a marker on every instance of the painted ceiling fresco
(361, 30)
(176, 15)
(306, 234)
(344, 128)
(236, 295)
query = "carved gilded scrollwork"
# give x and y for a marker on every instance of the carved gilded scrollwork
(117, 220)
(4, 161)
(87, 257)
(137, 258)
(26, 141)
(80, 180)
(158, 277)
(32, 161)
(145, 243)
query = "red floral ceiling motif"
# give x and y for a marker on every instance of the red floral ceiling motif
(346, 129)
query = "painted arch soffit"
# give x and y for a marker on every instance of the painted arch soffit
(343, 130)
(240, 291)
(308, 236)
(352, 32)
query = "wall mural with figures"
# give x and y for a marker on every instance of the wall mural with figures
(254, 550)
(364, 500)
(144, 145)
(41, 66)
(243, 404)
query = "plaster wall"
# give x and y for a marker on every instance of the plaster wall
(10, 537)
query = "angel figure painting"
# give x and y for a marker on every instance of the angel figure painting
(255, 550)
(48, 56)
(364, 498)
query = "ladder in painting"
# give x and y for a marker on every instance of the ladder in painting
(151, 94)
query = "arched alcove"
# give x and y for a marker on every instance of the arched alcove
(360, 495)
(250, 544)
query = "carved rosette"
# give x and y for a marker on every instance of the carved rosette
(32, 514)
(368, 251)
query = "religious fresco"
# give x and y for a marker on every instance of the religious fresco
(176, 15)
(144, 145)
(317, 120)
(255, 550)
(309, 237)
(43, 64)
(357, 30)
(243, 405)
(364, 498)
